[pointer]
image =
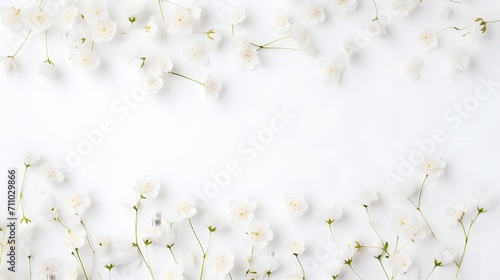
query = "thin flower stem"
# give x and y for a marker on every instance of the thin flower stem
(383, 268)
(20, 47)
(466, 241)
(301, 267)
(136, 244)
(396, 246)
(161, 10)
(280, 48)
(172, 253)
(47, 48)
(92, 47)
(129, 28)
(21, 201)
(274, 41)
(147, 253)
(373, 227)
(178, 5)
(251, 255)
(232, 30)
(376, 10)
(493, 21)
(331, 233)
(205, 255)
(196, 235)
(230, 277)
(186, 77)
(432, 270)
(352, 268)
(91, 248)
(421, 190)
(29, 265)
(67, 228)
(81, 263)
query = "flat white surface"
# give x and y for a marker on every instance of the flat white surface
(342, 137)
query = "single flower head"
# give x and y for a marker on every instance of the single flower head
(147, 187)
(279, 21)
(428, 39)
(434, 166)
(77, 202)
(220, 264)
(241, 210)
(295, 204)
(364, 197)
(212, 87)
(297, 247)
(53, 172)
(258, 233)
(30, 158)
(184, 210)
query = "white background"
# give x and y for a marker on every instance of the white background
(342, 137)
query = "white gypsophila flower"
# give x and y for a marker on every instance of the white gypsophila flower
(235, 15)
(160, 66)
(268, 264)
(164, 233)
(402, 218)
(315, 13)
(104, 31)
(74, 37)
(196, 11)
(445, 256)
(6, 63)
(11, 17)
(302, 36)
(37, 20)
(30, 158)
(197, 57)
(376, 248)
(485, 202)
(258, 233)
(246, 55)
(153, 27)
(65, 17)
(152, 83)
(103, 244)
(134, 8)
(416, 230)
(331, 70)
(374, 28)
(295, 205)
(333, 268)
(434, 166)
(48, 268)
(77, 202)
(147, 187)
(212, 87)
(411, 69)
(331, 213)
(84, 59)
(456, 212)
(173, 273)
(220, 264)
(71, 274)
(280, 21)
(46, 69)
(346, 5)
(401, 190)
(241, 210)
(400, 263)
(428, 39)
(401, 7)
(460, 59)
(149, 232)
(47, 208)
(364, 197)
(180, 23)
(184, 210)
(74, 240)
(347, 48)
(297, 247)
(346, 252)
(93, 11)
(52, 172)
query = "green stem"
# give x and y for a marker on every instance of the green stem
(301, 267)
(29, 265)
(186, 77)
(493, 21)
(232, 30)
(376, 10)
(91, 248)
(136, 244)
(230, 277)
(47, 48)
(383, 268)
(129, 28)
(421, 190)
(466, 241)
(81, 263)
(20, 47)
(205, 255)
(432, 270)
(178, 5)
(161, 10)
(172, 253)
(274, 41)
(371, 224)
(352, 268)
(21, 201)
(67, 228)
(251, 255)
(331, 233)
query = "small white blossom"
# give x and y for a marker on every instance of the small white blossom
(428, 39)
(332, 70)
(268, 264)
(31, 158)
(47, 208)
(37, 21)
(104, 31)
(347, 48)
(77, 202)
(196, 11)
(6, 63)
(346, 252)
(46, 69)
(174, 273)
(295, 204)
(374, 28)
(181, 23)
(65, 17)
(346, 5)
(258, 233)
(221, 264)
(411, 69)
(147, 187)
(331, 213)
(279, 21)
(212, 87)
(84, 59)
(400, 263)
(460, 59)
(446, 256)
(93, 11)
(302, 36)
(152, 28)
(315, 14)
(246, 55)
(364, 197)
(235, 15)
(197, 57)
(434, 166)
(11, 17)
(297, 247)
(417, 230)
(47, 268)
(184, 210)
(241, 210)
(401, 7)
(74, 240)
(401, 190)
(160, 66)
(402, 218)
(456, 212)
(53, 172)
(152, 83)
(333, 269)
